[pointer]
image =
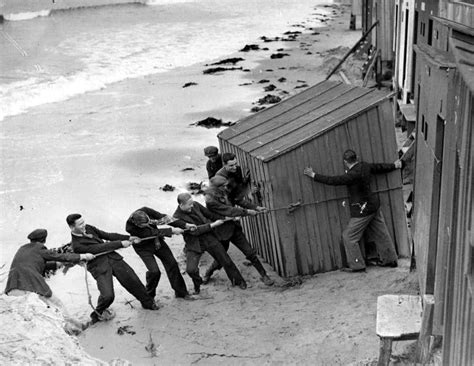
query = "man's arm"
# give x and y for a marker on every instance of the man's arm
(79, 247)
(335, 180)
(222, 209)
(52, 256)
(207, 213)
(245, 203)
(107, 236)
(382, 167)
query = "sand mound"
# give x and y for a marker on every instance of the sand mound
(32, 333)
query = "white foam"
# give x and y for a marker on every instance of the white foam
(164, 2)
(27, 15)
(113, 55)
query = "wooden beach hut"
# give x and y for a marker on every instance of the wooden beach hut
(443, 187)
(314, 128)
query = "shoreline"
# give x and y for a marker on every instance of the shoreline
(12, 10)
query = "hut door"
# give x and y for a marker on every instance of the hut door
(436, 210)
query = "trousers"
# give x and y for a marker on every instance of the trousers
(240, 241)
(376, 230)
(153, 273)
(217, 251)
(127, 278)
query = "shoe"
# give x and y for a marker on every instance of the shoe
(188, 297)
(346, 269)
(205, 279)
(373, 262)
(267, 280)
(107, 314)
(207, 275)
(393, 264)
(153, 306)
(94, 318)
(242, 285)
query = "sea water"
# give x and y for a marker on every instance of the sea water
(58, 55)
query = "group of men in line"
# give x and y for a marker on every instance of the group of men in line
(209, 228)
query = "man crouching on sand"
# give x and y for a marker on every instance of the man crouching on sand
(108, 263)
(28, 267)
(202, 238)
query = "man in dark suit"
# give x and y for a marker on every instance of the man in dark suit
(144, 223)
(200, 237)
(107, 264)
(218, 202)
(365, 210)
(214, 162)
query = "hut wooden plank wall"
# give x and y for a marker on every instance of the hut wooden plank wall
(458, 271)
(434, 73)
(314, 128)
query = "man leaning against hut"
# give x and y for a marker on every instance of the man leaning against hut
(366, 215)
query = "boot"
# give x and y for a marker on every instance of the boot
(267, 280)
(209, 271)
(264, 277)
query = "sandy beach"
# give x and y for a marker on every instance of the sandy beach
(106, 153)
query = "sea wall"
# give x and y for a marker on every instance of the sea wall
(16, 7)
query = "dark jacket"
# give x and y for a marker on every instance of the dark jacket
(213, 167)
(237, 184)
(218, 202)
(28, 266)
(94, 243)
(363, 202)
(202, 218)
(149, 230)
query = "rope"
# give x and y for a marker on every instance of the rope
(89, 296)
(293, 206)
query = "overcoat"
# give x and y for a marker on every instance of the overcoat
(28, 266)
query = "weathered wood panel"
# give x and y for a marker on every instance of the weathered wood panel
(459, 306)
(432, 77)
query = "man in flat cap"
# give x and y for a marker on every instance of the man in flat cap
(215, 160)
(29, 265)
(200, 237)
(219, 203)
(32, 260)
(364, 208)
(107, 264)
(146, 223)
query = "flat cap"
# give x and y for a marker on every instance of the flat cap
(38, 235)
(139, 218)
(211, 151)
(218, 181)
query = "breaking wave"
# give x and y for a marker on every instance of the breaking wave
(27, 15)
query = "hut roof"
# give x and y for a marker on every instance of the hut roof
(301, 118)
